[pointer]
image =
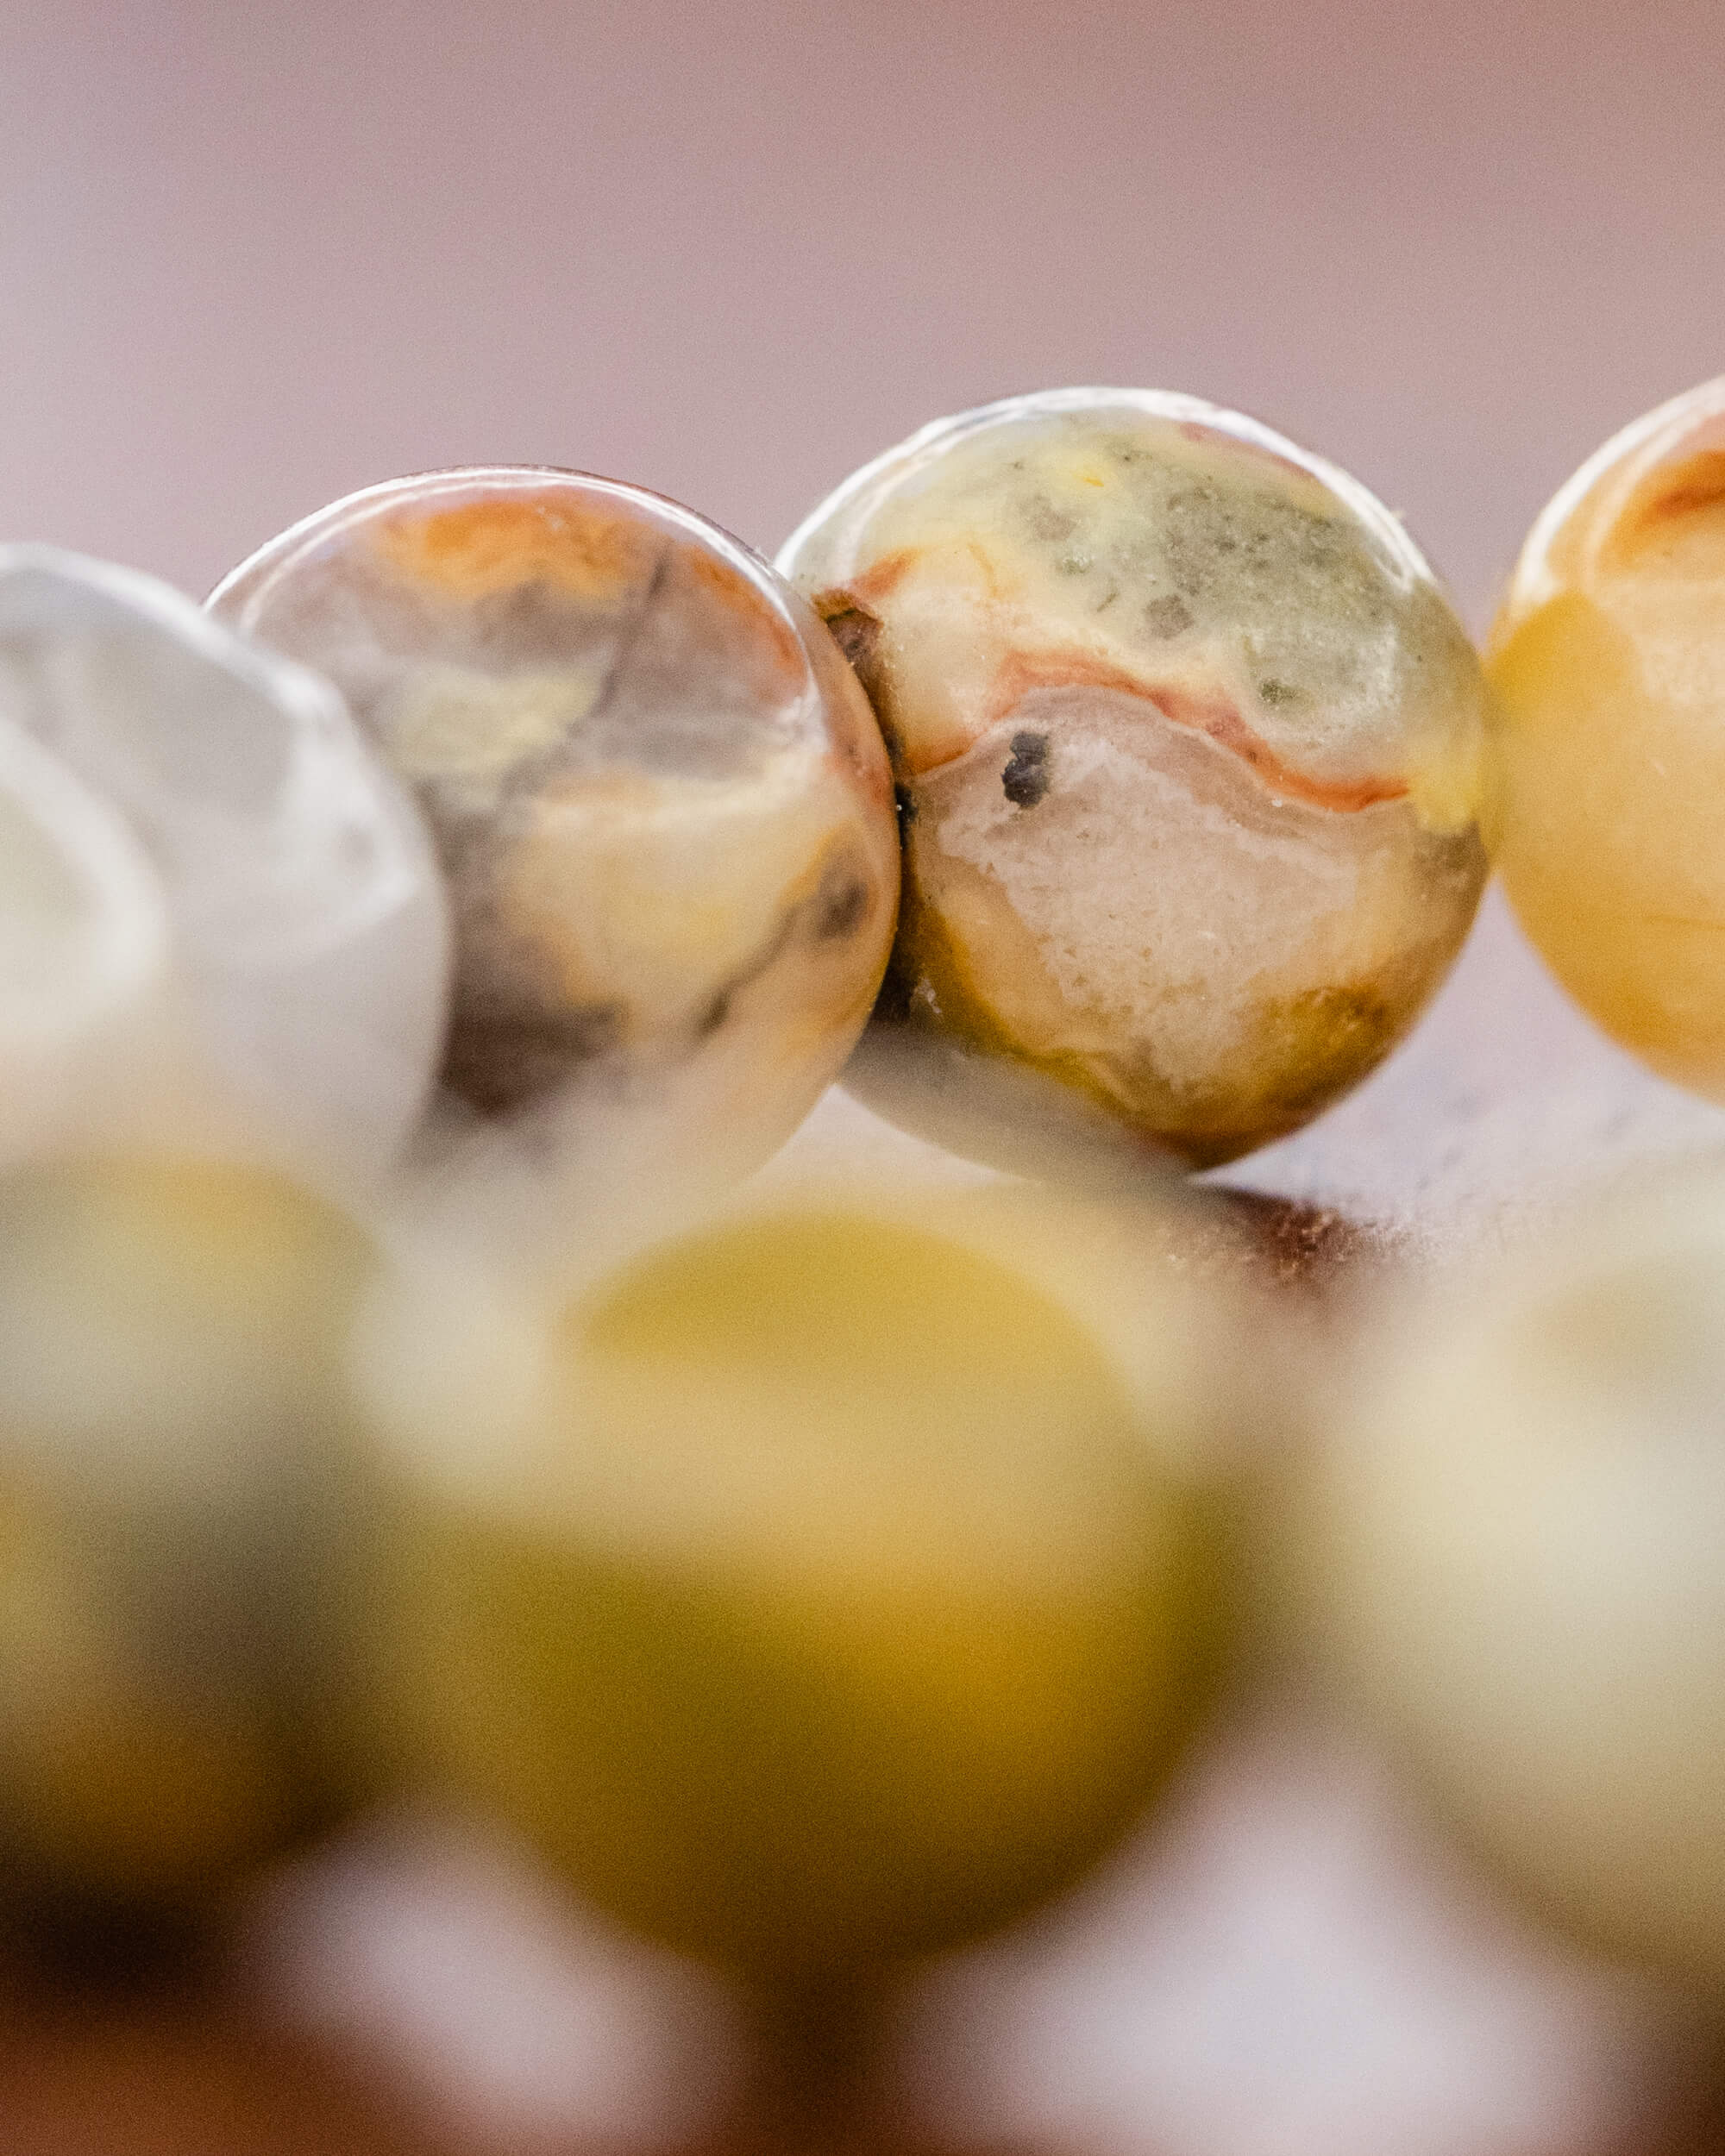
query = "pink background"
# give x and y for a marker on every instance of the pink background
(253, 257)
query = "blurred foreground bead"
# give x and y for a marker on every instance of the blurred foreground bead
(824, 1588)
(663, 806)
(174, 1420)
(1607, 750)
(1509, 1554)
(84, 942)
(1185, 737)
(220, 923)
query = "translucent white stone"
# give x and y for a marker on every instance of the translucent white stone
(220, 919)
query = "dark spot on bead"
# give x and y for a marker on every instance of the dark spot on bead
(1169, 617)
(764, 958)
(500, 1059)
(1046, 521)
(841, 905)
(857, 634)
(1278, 693)
(1025, 780)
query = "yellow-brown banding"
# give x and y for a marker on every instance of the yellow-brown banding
(499, 543)
(1216, 717)
(1674, 492)
(883, 577)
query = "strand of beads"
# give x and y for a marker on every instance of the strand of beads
(517, 858)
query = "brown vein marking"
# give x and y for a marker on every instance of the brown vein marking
(1216, 717)
(882, 578)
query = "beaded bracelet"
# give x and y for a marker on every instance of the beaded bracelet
(514, 856)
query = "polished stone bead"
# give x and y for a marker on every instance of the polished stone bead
(1186, 739)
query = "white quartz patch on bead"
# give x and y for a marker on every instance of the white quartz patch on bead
(197, 822)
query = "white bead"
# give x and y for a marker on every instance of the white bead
(292, 1004)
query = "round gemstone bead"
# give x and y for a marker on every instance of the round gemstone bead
(218, 901)
(1185, 735)
(1606, 767)
(662, 804)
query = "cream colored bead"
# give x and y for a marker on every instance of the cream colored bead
(1185, 734)
(1509, 1555)
(238, 939)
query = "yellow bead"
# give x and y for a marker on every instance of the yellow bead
(824, 1588)
(172, 1412)
(1606, 743)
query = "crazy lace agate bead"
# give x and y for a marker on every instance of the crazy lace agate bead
(663, 806)
(1185, 734)
(1607, 746)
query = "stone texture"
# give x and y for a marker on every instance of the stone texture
(1185, 740)
(662, 804)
